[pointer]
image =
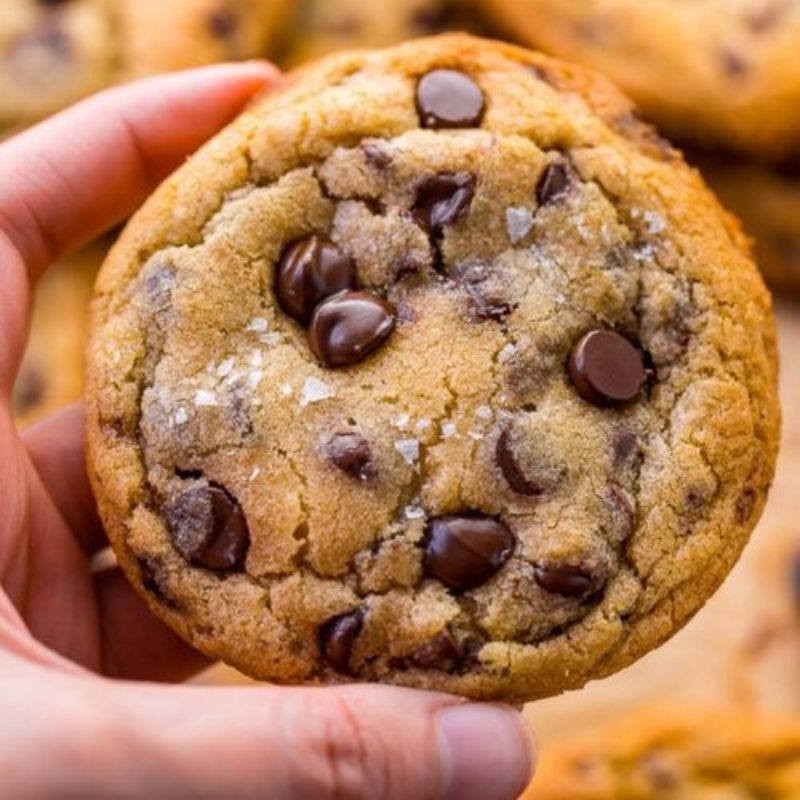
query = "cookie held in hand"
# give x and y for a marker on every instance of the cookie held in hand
(488, 409)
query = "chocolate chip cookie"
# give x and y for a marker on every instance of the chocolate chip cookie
(51, 375)
(711, 70)
(677, 753)
(427, 371)
(327, 26)
(767, 200)
(54, 52)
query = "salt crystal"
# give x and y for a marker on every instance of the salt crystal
(256, 358)
(286, 389)
(414, 512)
(476, 435)
(508, 350)
(258, 325)
(225, 367)
(448, 430)
(484, 412)
(402, 421)
(655, 222)
(519, 221)
(423, 425)
(409, 449)
(255, 473)
(181, 416)
(271, 339)
(315, 390)
(205, 398)
(254, 378)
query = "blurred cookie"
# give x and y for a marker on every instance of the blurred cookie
(51, 375)
(427, 372)
(767, 200)
(675, 753)
(719, 71)
(54, 52)
(327, 26)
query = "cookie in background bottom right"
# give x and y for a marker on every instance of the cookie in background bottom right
(715, 713)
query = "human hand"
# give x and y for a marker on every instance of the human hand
(69, 730)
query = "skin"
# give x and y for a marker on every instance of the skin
(83, 698)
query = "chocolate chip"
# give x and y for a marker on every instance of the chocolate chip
(351, 453)
(463, 552)
(515, 477)
(223, 23)
(447, 98)
(337, 637)
(626, 448)
(554, 183)
(734, 63)
(606, 369)
(349, 326)
(442, 200)
(376, 156)
(564, 580)
(442, 652)
(310, 271)
(153, 575)
(208, 528)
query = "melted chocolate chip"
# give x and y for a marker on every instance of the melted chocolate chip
(351, 453)
(606, 369)
(447, 98)
(554, 183)
(564, 580)
(208, 528)
(349, 326)
(464, 552)
(626, 448)
(442, 200)
(337, 637)
(442, 652)
(310, 271)
(513, 474)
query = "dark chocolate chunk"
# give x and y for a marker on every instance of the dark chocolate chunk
(442, 652)
(565, 581)
(554, 183)
(447, 98)
(337, 637)
(349, 326)
(626, 448)
(606, 369)
(351, 453)
(464, 552)
(208, 528)
(310, 271)
(513, 474)
(443, 199)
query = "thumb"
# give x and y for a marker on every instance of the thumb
(314, 744)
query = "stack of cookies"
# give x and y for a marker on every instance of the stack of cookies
(454, 375)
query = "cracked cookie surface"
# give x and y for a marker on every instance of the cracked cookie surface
(677, 753)
(716, 71)
(422, 372)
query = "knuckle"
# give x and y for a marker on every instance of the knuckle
(344, 758)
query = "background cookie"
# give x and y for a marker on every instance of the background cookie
(326, 26)
(674, 752)
(722, 71)
(51, 375)
(767, 200)
(307, 512)
(54, 53)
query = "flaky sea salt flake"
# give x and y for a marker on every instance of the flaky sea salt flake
(519, 222)
(409, 449)
(203, 397)
(314, 391)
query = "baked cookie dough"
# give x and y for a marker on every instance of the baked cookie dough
(54, 52)
(767, 200)
(438, 369)
(326, 26)
(666, 753)
(719, 71)
(51, 374)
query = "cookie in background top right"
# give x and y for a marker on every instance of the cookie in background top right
(721, 77)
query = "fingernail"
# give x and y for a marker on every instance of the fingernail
(487, 752)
